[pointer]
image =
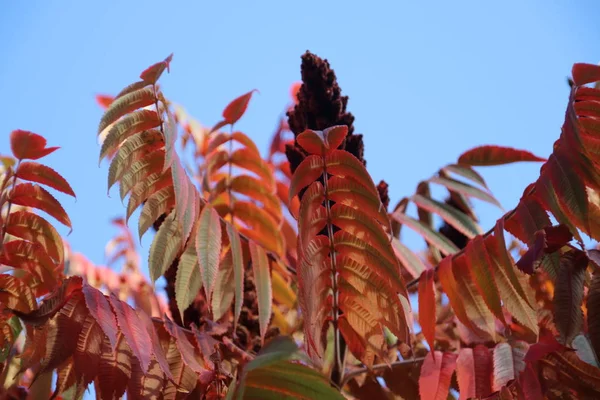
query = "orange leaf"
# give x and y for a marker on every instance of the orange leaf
(257, 190)
(427, 306)
(450, 287)
(246, 158)
(34, 172)
(25, 144)
(263, 227)
(30, 195)
(309, 170)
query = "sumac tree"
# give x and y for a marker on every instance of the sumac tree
(286, 274)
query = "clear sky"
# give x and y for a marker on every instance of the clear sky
(427, 80)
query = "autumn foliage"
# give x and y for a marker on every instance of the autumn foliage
(286, 274)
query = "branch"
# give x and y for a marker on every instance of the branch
(376, 367)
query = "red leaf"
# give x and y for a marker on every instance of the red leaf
(16, 295)
(324, 142)
(104, 100)
(528, 218)
(496, 155)
(152, 73)
(188, 351)
(530, 384)
(585, 73)
(546, 344)
(427, 306)
(306, 173)
(313, 142)
(30, 195)
(483, 370)
(100, 309)
(34, 228)
(30, 257)
(465, 374)
(547, 240)
(157, 349)
(134, 331)
(53, 303)
(34, 172)
(235, 110)
(25, 144)
(436, 372)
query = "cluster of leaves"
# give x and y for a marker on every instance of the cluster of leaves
(260, 251)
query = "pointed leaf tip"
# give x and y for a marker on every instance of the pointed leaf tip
(104, 100)
(34, 172)
(235, 110)
(496, 155)
(25, 144)
(153, 73)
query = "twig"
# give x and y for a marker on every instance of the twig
(376, 367)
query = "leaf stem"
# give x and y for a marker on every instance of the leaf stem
(229, 173)
(338, 367)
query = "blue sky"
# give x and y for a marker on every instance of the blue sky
(426, 80)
